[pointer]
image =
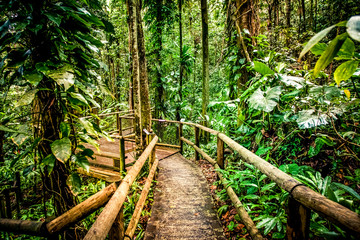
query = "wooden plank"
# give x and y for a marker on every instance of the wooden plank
(298, 221)
(107, 154)
(167, 145)
(140, 204)
(23, 227)
(98, 175)
(102, 225)
(81, 210)
(333, 211)
(121, 161)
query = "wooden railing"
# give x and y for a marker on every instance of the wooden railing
(302, 199)
(111, 220)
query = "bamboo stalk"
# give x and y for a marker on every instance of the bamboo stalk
(102, 225)
(81, 210)
(140, 204)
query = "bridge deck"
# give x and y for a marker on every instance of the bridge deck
(183, 208)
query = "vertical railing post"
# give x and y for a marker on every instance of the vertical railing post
(117, 122)
(121, 164)
(298, 221)
(19, 196)
(149, 138)
(220, 153)
(180, 135)
(197, 142)
(8, 203)
(120, 126)
(117, 230)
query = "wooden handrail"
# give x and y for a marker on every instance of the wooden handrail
(81, 210)
(103, 224)
(23, 227)
(329, 209)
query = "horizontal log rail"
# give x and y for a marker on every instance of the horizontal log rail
(23, 227)
(102, 225)
(81, 210)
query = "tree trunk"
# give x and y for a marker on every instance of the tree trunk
(303, 13)
(135, 72)
(159, 88)
(312, 15)
(145, 109)
(288, 13)
(2, 136)
(205, 58)
(178, 108)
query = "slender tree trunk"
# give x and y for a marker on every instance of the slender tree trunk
(131, 89)
(312, 15)
(2, 136)
(315, 17)
(205, 58)
(178, 110)
(288, 13)
(303, 13)
(159, 88)
(135, 72)
(144, 99)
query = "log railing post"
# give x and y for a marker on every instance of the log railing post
(298, 221)
(117, 122)
(121, 163)
(8, 203)
(117, 230)
(220, 153)
(180, 136)
(19, 196)
(197, 142)
(149, 138)
(119, 126)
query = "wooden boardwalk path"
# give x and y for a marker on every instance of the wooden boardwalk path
(183, 207)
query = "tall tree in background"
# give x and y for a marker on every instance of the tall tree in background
(140, 77)
(205, 59)
(178, 106)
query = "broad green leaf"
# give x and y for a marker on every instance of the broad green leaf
(6, 129)
(315, 39)
(49, 162)
(309, 119)
(318, 48)
(262, 68)
(54, 18)
(65, 129)
(88, 126)
(81, 161)
(63, 76)
(27, 98)
(262, 150)
(296, 82)
(79, 97)
(345, 71)
(61, 149)
(322, 93)
(34, 78)
(74, 182)
(265, 101)
(346, 51)
(353, 27)
(349, 190)
(329, 53)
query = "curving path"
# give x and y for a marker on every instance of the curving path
(183, 207)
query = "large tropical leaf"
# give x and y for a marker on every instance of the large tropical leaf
(265, 101)
(345, 71)
(63, 76)
(27, 98)
(329, 53)
(61, 149)
(353, 27)
(262, 68)
(310, 119)
(315, 39)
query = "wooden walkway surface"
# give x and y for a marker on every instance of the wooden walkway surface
(183, 207)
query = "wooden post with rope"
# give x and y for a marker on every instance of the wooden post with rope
(220, 153)
(298, 220)
(197, 142)
(180, 136)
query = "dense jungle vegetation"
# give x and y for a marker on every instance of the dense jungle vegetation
(280, 77)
